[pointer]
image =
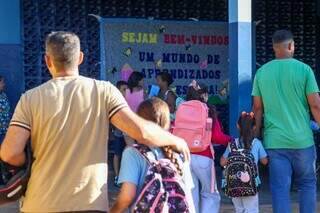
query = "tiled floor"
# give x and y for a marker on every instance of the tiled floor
(226, 205)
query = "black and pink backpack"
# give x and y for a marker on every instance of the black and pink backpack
(240, 172)
(163, 186)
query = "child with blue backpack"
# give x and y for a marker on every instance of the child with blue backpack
(154, 179)
(240, 161)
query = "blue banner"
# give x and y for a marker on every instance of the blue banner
(186, 49)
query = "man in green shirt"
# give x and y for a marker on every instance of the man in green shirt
(284, 89)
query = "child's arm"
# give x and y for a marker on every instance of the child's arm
(218, 137)
(129, 176)
(263, 157)
(125, 198)
(264, 161)
(223, 159)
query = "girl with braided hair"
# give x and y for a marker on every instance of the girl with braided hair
(134, 166)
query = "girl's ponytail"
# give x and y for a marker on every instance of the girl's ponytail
(246, 123)
(168, 152)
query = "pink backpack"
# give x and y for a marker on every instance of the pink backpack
(193, 125)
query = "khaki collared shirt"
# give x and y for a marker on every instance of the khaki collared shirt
(68, 118)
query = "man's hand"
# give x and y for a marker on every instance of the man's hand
(258, 113)
(181, 147)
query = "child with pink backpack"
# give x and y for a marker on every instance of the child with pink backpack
(195, 122)
(154, 179)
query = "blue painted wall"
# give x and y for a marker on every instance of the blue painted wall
(10, 22)
(10, 49)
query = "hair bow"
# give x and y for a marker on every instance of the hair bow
(244, 114)
(195, 85)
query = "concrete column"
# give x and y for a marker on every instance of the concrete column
(240, 59)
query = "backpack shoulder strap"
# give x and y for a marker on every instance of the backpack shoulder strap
(145, 152)
(233, 145)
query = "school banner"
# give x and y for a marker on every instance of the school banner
(186, 49)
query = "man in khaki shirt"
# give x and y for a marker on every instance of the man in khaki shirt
(67, 119)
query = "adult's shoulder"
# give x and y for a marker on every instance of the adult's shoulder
(302, 68)
(36, 90)
(266, 66)
(100, 82)
(298, 62)
(105, 86)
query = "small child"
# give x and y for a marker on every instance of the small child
(246, 125)
(119, 143)
(134, 166)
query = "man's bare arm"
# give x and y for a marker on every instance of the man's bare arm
(12, 148)
(147, 132)
(258, 112)
(314, 104)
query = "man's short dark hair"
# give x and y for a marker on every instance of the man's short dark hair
(64, 48)
(281, 36)
(121, 83)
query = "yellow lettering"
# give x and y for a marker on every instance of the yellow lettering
(145, 38)
(152, 38)
(131, 37)
(124, 37)
(139, 39)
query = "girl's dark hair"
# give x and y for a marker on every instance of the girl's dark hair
(203, 88)
(157, 111)
(193, 94)
(166, 77)
(212, 109)
(134, 80)
(212, 112)
(196, 94)
(246, 124)
(121, 83)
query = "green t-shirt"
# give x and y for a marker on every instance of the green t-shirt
(283, 86)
